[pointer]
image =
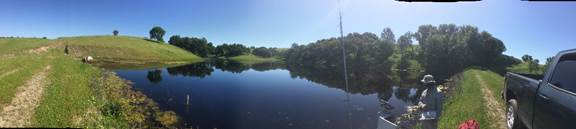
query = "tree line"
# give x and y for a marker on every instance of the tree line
(198, 46)
(203, 48)
(442, 50)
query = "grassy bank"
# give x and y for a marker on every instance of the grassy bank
(78, 94)
(124, 49)
(466, 100)
(523, 68)
(253, 59)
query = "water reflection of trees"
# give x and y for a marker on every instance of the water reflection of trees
(237, 67)
(363, 78)
(154, 76)
(192, 70)
(204, 69)
(265, 66)
(230, 66)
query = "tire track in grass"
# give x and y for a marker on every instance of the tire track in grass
(492, 105)
(8, 73)
(21, 110)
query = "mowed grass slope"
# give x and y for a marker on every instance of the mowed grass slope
(124, 49)
(466, 101)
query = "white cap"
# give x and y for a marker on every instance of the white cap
(428, 79)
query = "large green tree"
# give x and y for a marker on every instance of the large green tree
(157, 33)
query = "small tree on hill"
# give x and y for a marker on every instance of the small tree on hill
(115, 32)
(156, 33)
(534, 65)
(527, 58)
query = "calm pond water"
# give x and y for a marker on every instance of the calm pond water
(228, 95)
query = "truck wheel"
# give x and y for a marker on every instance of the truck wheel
(512, 120)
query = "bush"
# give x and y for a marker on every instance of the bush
(167, 119)
(111, 109)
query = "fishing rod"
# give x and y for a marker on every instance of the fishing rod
(343, 47)
(349, 115)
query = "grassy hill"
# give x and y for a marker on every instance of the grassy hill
(124, 49)
(14, 45)
(76, 94)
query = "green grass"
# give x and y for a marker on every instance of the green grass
(465, 102)
(69, 96)
(523, 68)
(16, 65)
(77, 93)
(124, 49)
(495, 83)
(16, 45)
(15, 71)
(253, 59)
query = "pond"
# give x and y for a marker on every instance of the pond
(230, 95)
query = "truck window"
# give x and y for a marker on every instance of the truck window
(564, 73)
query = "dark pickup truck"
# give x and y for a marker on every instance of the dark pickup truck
(543, 101)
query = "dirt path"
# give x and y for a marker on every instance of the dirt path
(20, 111)
(39, 50)
(45, 48)
(494, 108)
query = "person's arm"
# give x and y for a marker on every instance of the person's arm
(423, 96)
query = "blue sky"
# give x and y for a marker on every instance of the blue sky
(540, 29)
